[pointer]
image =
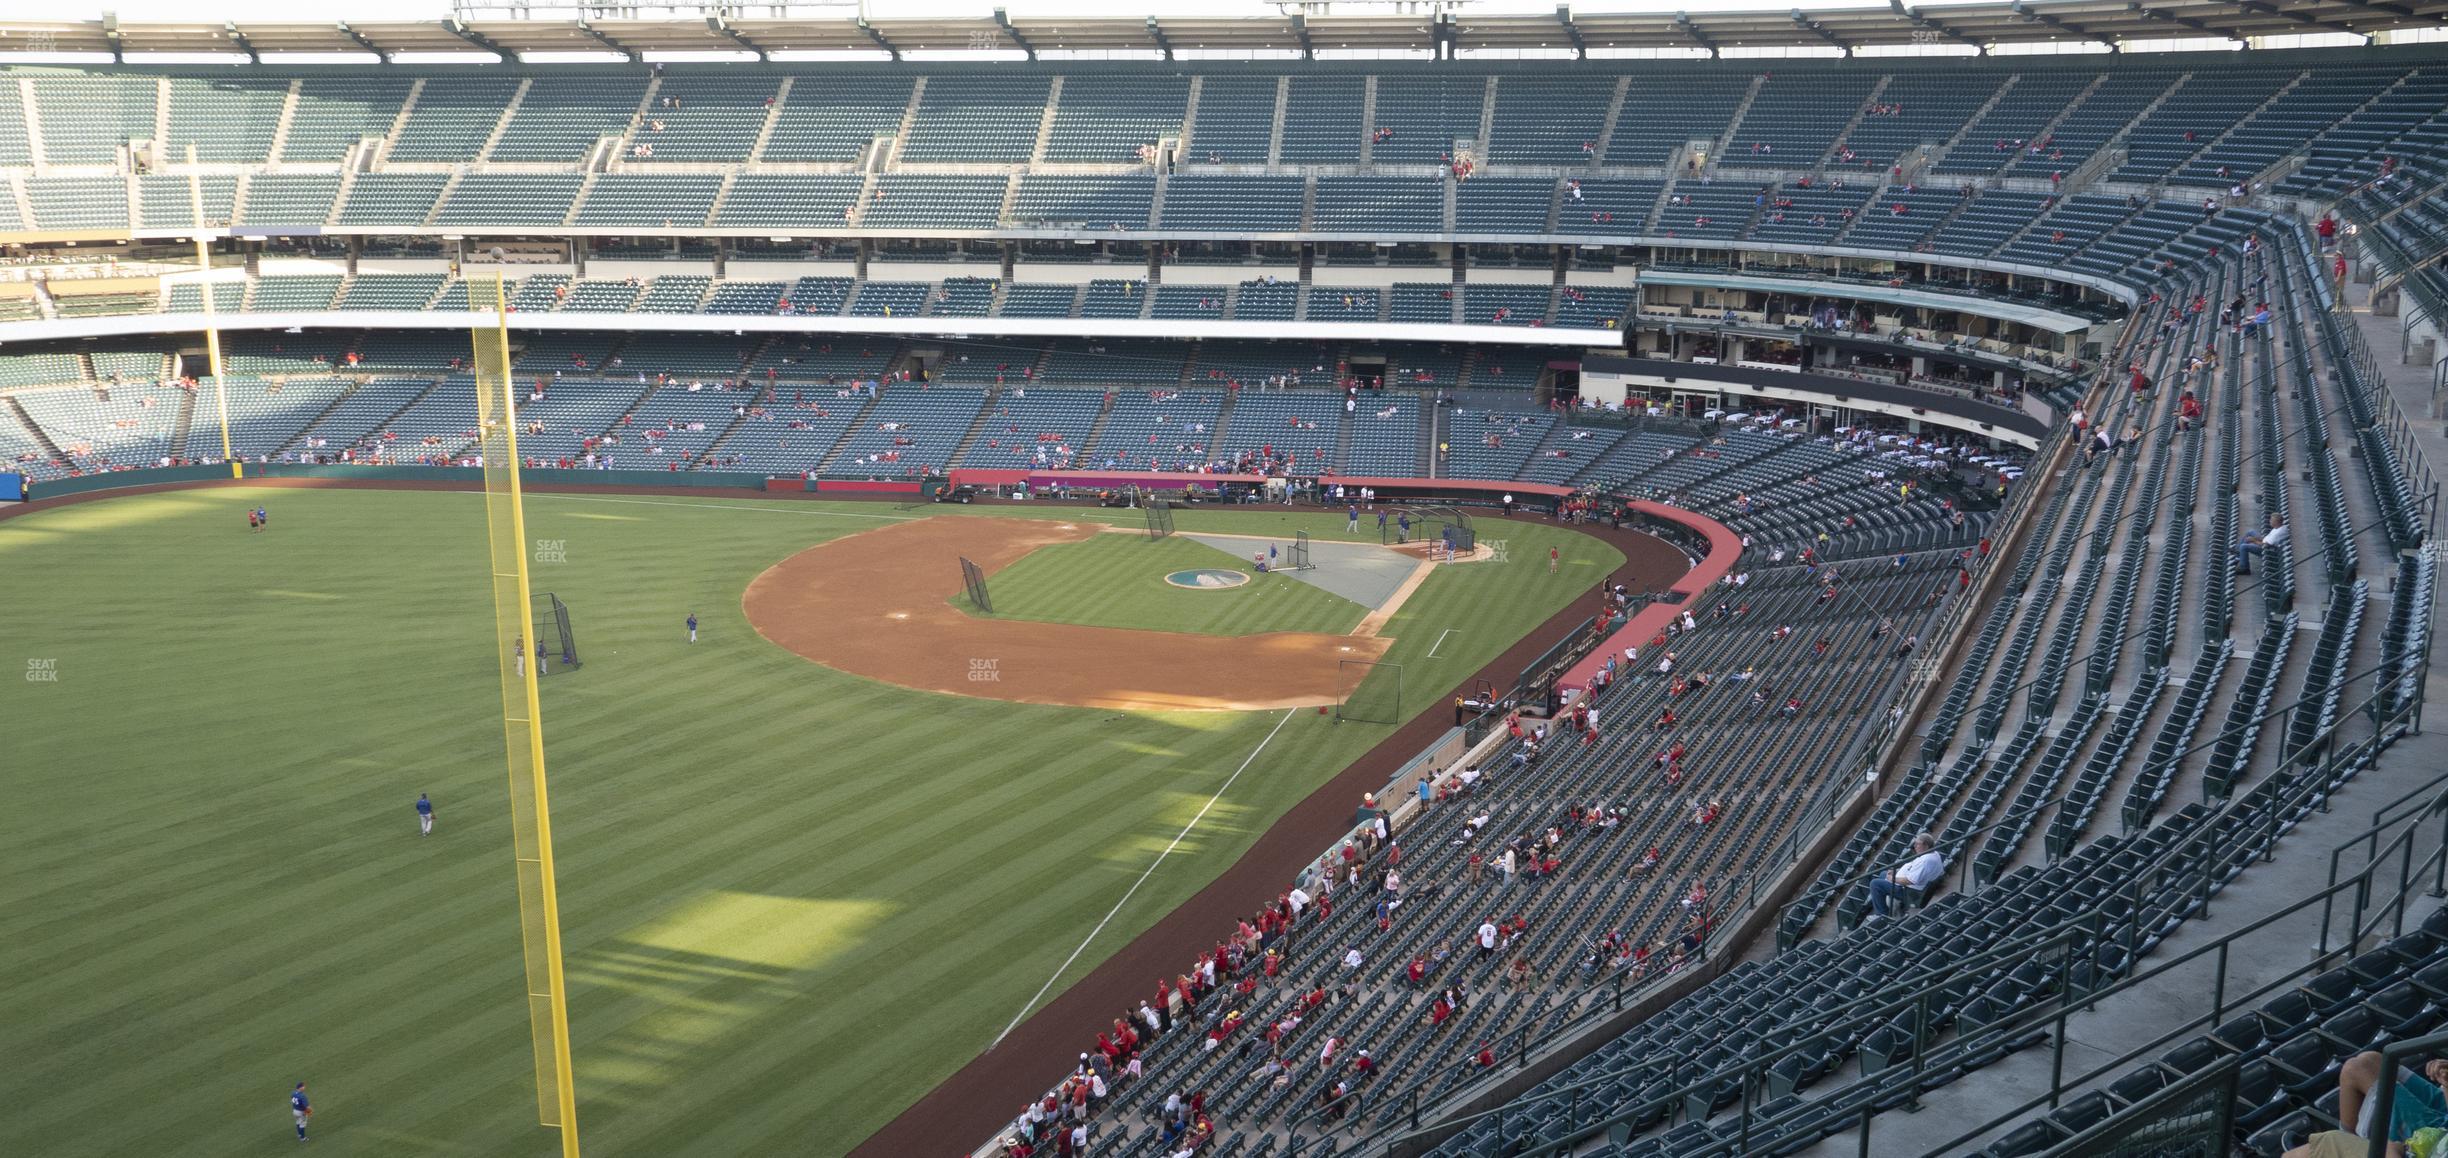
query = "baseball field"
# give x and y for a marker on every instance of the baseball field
(794, 898)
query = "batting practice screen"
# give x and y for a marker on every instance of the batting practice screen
(1160, 518)
(1371, 692)
(975, 580)
(552, 626)
(1300, 551)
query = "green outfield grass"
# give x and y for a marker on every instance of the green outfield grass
(1116, 580)
(793, 899)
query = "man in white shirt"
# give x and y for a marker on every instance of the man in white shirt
(1487, 938)
(1915, 875)
(2273, 538)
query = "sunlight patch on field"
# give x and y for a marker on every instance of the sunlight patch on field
(278, 593)
(778, 932)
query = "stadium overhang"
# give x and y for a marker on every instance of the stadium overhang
(1899, 25)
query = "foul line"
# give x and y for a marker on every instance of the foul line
(1432, 648)
(1143, 879)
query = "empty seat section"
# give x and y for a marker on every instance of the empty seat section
(833, 119)
(1503, 204)
(674, 294)
(293, 294)
(453, 116)
(1594, 306)
(1321, 121)
(1491, 444)
(392, 198)
(1189, 302)
(1345, 303)
(788, 200)
(977, 120)
(706, 118)
(88, 120)
(2081, 130)
(689, 357)
(510, 199)
(1112, 362)
(2014, 124)
(1106, 120)
(649, 200)
(1547, 120)
(225, 120)
(390, 291)
(1293, 432)
(1915, 116)
(561, 117)
(187, 297)
(335, 113)
(1385, 435)
(1159, 429)
(1606, 206)
(1266, 301)
(909, 201)
(264, 415)
(1420, 117)
(1809, 216)
(846, 358)
(77, 203)
(1039, 428)
(602, 296)
(745, 297)
(889, 299)
(1505, 305)
(1113, 298)
(289, 198)
(1066, 202)
(1380, 205)
(166, 201)
(1794, 119)
(1882, 227)
(1665, 112)
(963, 297)
(911, 432)
(1035, 300)
(1236, 121)
(1696, 210)
(823, 296)
(1217, 203)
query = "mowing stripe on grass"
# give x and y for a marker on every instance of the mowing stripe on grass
(1151, 871)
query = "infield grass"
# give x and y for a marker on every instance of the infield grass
(793, 900)
(1118, 580)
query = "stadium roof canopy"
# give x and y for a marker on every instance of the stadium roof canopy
(1979, 25)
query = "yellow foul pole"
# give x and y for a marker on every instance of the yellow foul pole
(212, 332)
(523, 658)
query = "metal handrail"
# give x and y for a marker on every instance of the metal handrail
(2359, 883)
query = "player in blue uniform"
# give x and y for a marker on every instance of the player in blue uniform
(424, 815)
(692, 627)
(299, 1110)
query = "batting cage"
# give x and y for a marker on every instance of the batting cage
(552, 623)
(1371, 692)
(1299, 559)
(1160, 518)
(1430, 524)
(975, 580)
